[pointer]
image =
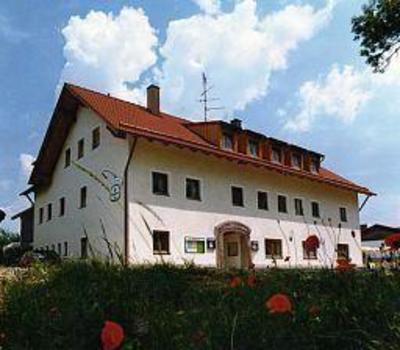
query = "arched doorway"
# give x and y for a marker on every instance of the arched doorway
(233, 245)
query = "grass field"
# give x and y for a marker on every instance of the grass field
(165, 307)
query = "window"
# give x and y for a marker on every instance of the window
(53, 247)
(343, 214)
(193, 189)
(195, 245)
(237, 196)
(49, 212)
(310, 254)
(83, 197)
(41, 215)
(227, 141)
(298, 207)
(62, 207)
(262, 200)
(232, 248)
(296, 160)
(84, 248)
(65, 248)
(81, 148)
(67, 157)
(343, 251)
(273, 248)
(59, 249)
(160, 242)
(315, 209)
(96, 138)
(276, 155)
(253, 148)
(282, 204)
(160, 184)
(314, 166)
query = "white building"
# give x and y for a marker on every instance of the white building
(162, 188)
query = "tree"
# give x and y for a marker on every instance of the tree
(378, 30)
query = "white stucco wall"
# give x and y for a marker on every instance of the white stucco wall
(183, 217)
(112, 154)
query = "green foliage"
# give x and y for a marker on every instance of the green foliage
(166, 307)
(378, 29)
(7, 236)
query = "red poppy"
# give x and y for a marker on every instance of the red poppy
(393, 241)
(311, 243)
(235, 282)
(112, 335)
(251, 280)
(279, 303)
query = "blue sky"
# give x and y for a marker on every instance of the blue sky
(289, 69)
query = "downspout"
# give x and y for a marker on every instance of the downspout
(126, 203)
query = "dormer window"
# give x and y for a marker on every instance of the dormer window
(253, 148)
(314, 166)
(296, 160)
(227, 141)
(276, 155)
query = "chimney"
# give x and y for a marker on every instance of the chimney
(237, 123)
(153, 99)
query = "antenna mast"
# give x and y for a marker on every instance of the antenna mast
(204, 98)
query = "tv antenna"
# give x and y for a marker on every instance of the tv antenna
(205, 99)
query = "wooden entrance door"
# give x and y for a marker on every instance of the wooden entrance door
(232, 250)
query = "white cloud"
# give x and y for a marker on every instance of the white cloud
(26, 161)
(341, 94)
(238, 50)
(209, 6)
(106, 51)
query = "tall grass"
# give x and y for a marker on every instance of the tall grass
(166, 307)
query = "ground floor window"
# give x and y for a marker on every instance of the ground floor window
(273, 248)
(160, 242)
(65, 248)
(84, 248)
(343, 251)
(195, 245)
(309, 254)
(59, 249)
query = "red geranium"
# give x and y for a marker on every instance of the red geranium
(393, 241)
(311, 243)
(279, 304)
(343, 265)
(251, 280)
(112, 335)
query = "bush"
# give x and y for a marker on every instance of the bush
(166, 307)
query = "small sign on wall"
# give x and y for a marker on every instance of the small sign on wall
(195, 245)
(254, 246)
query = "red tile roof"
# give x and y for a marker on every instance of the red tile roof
(137, 120)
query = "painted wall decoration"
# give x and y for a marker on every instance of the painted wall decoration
(115, 184)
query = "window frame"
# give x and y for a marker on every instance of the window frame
(252, 142)
(286, 203)
(279, 150)
(65, 249)
(62, 206)
(315, 162)
(319, 209)
(300, 158)
(271, 256)
(306, 255)
(258, 200)
(302, 206)
(81, 148)
(230, 137)
(162, 251)
(67, 157)
(347, 250)
(41, 215)
(49, 211)
(162, 172)
(83, 204)
(96, 137)
(345, 217)
(200, 182)
(242, 205)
